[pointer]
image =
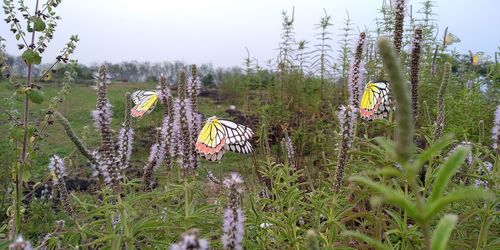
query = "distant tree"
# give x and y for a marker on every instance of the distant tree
(208, 80)
(152, 79)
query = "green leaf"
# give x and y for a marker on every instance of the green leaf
(31, 57)
(18, 36)
(442, 233)
(390, 195)
(433, 150)
(17, 133)
(36, 96)
(447, 170)
(388, 145)
(469, 193)
(373, 242)
(39, 24)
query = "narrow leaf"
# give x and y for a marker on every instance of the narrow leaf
(447, 170)
(458, 195)
(390, 195)
(443, 231)
(429, 153)
(373, 242)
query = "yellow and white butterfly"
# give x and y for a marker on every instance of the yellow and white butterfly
(375, 100)
(475, 59)
(46, 77)
(451, 39)
(219, 135)
(145, 101)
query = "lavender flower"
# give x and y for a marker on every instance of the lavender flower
(485, 170)
(193, 88)
(20, 244)
(233, 231)
(155, 159)
(290, 152)
(347, 118)
(167, 128)
(186, 146)
(414, 69)
(495, 132)
(102, 116)
(58, 172)
(399, 11)
(102, 119)
(57, 168)
(125, 138)
(356, 73)
(191, 241)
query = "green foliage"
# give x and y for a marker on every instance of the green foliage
(403, 193)
(36, 96)
(31, 57)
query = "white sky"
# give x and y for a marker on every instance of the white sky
(217, 31)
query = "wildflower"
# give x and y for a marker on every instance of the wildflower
(20, 244)
(290, 153)
(399, 11)
(485, 170)
(102, 120)
(191, 241)
(414, 68)
(125, 138)
(155, 158)
(58, 172)
(356, 73)
(347, 118)
(233, 231)
(185, 119)
(495, 132)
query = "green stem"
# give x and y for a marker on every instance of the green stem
(24, 149)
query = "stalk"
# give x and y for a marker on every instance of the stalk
(24, 150)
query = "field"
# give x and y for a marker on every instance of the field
(393, 146)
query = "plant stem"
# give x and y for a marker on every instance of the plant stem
(24, 149)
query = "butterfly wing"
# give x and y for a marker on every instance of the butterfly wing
(238, 137)
(475, 59)
(236, 133)
(451, 39)
(145, 102)
(244, 147)
(47, 77)
(375, 100)
(211, 140)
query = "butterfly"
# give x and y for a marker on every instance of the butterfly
(219, 135)
(375, 100)
(451, 39)
(475, 58)
(145, 101)
(46, 77)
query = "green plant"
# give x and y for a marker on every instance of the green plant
(422, 207)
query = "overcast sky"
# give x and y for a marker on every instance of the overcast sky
(217, 31)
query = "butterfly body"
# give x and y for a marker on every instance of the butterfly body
(375, 100)
(218, 135)
(145, 101)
